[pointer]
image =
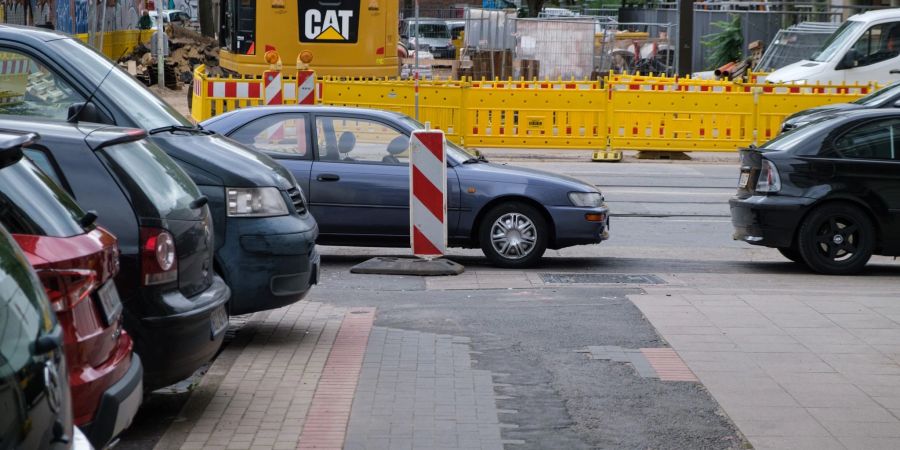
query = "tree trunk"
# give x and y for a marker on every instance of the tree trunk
(206, 19)
(535, 7)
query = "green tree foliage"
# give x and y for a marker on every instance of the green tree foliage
(727, 45)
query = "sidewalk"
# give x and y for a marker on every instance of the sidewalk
(317, 376)
(793, 369)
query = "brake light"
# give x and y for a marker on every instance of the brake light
(66, 288)
(769, 180)
(158, 264)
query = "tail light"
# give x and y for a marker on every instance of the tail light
(158, 263)
(769, 180)
(66, 288)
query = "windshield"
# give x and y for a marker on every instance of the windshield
(31, 203)
(454, 152)
(430, 30)
(143, 107)
(829, 49)
(146, 171)
(880, 96)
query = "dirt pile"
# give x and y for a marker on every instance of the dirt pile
(187, 50)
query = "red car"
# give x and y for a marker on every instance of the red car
(76, 262)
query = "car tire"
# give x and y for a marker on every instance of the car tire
(513, 235)
(836, 239)
(792, 253)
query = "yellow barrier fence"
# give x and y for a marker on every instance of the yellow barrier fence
(622, 113)
(117, 44)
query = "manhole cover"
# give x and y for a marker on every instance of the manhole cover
(600, 278)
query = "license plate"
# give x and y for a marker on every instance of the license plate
(110, 302)
(745, 177)
(218, 321)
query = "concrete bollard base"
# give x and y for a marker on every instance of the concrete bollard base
(384, 265)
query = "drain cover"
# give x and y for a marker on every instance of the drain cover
(600, 278)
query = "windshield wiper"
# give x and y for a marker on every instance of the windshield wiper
(476, 159)
(170, 128)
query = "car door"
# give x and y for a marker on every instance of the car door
(876, 55)
(283, 136)
(359, 183)
(868, 164)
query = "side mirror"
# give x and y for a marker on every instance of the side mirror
(897, 104)
(10, 156)
(849, 61)
(84, 112)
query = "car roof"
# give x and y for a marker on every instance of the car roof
(65, 130)
(425, 20)
(878, 14)
(24, 34)
(318, 109)
(841, 117)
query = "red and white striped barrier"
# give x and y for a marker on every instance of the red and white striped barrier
(15, 67)
(428, 193)
(272, 87)
(306, 87)
(229, 89)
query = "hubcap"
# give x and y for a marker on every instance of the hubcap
(513, 235)
(838, 238)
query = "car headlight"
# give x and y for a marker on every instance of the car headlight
(255, 202)
(588, 199)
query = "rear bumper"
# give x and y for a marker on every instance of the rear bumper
(769, 221)
(268, 263)
(118, 405)
(573, 227)
(173, 346)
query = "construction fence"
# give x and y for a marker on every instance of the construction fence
(116, 44)
(618, 113)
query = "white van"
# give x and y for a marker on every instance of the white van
(866, 48)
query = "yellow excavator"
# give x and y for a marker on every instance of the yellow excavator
(347, 38)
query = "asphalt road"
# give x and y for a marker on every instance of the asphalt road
(666, 218)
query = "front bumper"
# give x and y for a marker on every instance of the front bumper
(573, 227)
(173, 346)
(269, 263)
(767, 220)
(118, 405)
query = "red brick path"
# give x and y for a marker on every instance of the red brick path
(668, 365)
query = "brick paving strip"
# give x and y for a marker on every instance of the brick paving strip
(668, 365)
(326, 423)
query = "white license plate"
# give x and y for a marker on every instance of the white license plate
(110, 302)
(218, 321)
(745, 177)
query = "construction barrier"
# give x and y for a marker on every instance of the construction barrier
(622, 113)
(117, 44)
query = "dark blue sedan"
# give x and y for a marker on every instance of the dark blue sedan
(353, 165)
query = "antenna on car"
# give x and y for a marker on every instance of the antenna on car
(73, 116)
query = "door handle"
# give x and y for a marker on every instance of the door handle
(328, 177)
(894, 71)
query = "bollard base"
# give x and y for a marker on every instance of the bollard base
(384, 265)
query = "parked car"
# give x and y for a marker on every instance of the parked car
(172, 15)
(434, 37)
(826, 194)
(353, 165)
(76, 262)
(34, 387)
(264, 238)
(886, 97)
(174, 303)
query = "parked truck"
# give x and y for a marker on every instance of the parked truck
(864, 49)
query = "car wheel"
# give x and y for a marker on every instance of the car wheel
(792, 253)
(513, 235)
(836, 239)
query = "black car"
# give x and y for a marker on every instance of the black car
(265, 236)
(34, 387)
(886, 97)
(174, 303)
(826, 194)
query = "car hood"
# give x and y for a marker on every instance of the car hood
(232, 163)
(433, 42)
(808, 115)
(502, 173)
(803, 71)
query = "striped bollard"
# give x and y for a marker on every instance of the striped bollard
(306, 87)
(428, 193)
(272, 87)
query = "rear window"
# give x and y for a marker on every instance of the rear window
(809, 136)
(156, 184)
(31, 203)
